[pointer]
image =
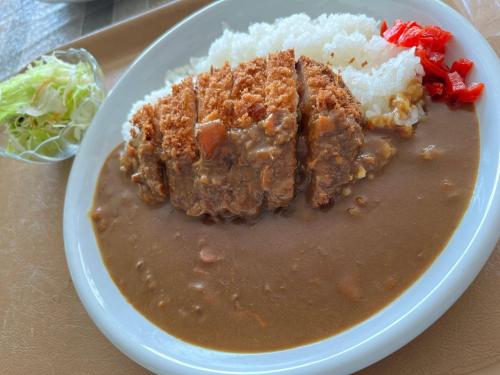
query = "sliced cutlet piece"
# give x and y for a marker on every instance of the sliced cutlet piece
(248, 93)
(264, 132)
(142, 156)
(331, 119)
(177, 117)
(280, 127)
(247, 137)
(216, 154)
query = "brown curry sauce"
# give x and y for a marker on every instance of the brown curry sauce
(299, 275)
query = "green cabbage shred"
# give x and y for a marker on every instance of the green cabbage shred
(48, 106)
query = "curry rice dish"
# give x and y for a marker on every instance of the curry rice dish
(268, 215)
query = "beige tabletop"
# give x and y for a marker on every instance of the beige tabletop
(29, 28)
(44, 329)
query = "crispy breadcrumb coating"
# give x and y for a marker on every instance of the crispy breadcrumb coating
(328, 91)
(177, 115)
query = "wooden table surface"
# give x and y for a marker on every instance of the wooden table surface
(44, 329)
(29, 28)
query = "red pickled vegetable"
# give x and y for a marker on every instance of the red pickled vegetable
(392, 34)
(436, 57)
(431, 67)
(434, 38)
(410, 37)
(471, 93)
(383, 27)
(462, 66)
(411, 24)
(454, 84)
(441, 81)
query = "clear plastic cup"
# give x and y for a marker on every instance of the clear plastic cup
(64, 140)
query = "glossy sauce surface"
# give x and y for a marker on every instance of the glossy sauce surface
(299, 275)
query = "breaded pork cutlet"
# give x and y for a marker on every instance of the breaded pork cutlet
(331, 120)
(246, 137)
(264, 131)
(226, 145)
(216, 155)
(247, 96)
(142, 156)
(280, 126)
(177, 116)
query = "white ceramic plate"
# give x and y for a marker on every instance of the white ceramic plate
(355, 348)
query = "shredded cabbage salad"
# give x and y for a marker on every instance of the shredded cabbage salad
(48, 105)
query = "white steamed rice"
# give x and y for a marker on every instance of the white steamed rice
(373, 69)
